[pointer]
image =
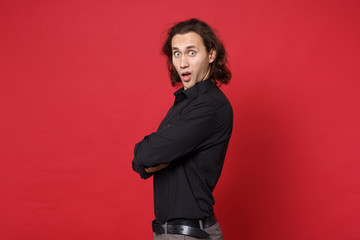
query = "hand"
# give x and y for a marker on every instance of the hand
(156, 168)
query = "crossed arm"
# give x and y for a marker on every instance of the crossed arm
(157, 150)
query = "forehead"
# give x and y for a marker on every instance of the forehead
(182, 41)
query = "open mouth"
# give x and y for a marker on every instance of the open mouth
(186, 76)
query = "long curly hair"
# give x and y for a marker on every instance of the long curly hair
(220, 72)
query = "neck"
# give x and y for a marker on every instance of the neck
(207, 73)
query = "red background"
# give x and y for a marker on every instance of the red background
(83, 81)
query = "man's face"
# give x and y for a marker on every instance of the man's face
(190, 58)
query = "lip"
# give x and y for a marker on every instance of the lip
(185, 72)
(186, 77)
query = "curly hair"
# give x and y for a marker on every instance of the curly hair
(220, 72)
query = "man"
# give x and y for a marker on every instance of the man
(186, 154)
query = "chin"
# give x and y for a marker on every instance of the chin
(188, 85)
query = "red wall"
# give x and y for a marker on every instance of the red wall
(83, 81)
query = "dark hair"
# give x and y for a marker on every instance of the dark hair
(219, 72)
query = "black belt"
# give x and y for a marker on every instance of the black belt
(188, 227)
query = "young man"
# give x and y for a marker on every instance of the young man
(186, 154)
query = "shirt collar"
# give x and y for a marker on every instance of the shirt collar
(197, 89)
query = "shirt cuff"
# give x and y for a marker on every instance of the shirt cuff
(141, 170)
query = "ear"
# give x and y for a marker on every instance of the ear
(212, 55)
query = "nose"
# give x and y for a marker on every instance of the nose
(184, 62)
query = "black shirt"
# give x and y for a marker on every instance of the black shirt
(193, 137)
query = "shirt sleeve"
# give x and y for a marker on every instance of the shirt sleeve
(138, 167)
(179, 138)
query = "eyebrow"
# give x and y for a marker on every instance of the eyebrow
(188, 47)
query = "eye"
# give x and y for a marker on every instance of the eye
(192, 53)
(177, 54)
